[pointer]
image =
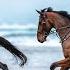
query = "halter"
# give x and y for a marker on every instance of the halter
(46, 33)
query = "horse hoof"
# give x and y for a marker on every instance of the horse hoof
(23, 62)
(53, 66)
(25, 59)
(5, 67)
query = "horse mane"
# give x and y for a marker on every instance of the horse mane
(63, 13)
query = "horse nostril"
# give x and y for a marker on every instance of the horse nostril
(41, 41)
(45, 39)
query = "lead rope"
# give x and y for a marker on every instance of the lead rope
(63, 39)
(58, 37)
(51, 32)
(54, 31)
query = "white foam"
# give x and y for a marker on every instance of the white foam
(17, 26)
(32, 42)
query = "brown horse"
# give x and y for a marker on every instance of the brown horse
(60, 20)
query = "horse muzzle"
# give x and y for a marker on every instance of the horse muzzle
(41, 39)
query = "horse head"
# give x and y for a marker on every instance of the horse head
(44, 26)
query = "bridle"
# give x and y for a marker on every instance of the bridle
(62, 28)
(56, 30)
(46, 32)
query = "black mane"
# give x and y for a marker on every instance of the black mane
(63, 13)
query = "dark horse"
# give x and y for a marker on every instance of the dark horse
(11, 48)
(60, 20)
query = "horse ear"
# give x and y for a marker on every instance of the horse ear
(43, 9)
(49, 9)
(38, 12)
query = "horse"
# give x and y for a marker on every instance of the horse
(60, 20)
(12, 49)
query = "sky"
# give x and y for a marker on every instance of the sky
(24, 11)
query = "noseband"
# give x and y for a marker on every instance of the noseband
(46, 32)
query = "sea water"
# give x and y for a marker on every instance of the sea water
(39, 55)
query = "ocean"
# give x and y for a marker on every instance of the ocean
(23, 36)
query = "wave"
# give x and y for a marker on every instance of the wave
(31, 41)
(10, 30)
(25, 35)
(18, 35)
(17, 26)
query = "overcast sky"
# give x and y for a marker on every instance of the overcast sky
(24, 10)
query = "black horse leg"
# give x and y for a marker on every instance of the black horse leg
(3, 66)
(7, 45)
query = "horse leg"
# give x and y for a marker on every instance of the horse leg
(3, 66)
(66, 55)
(62, 63)
(11, 48)
(64, 68)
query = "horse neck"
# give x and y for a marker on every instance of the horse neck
(59, 23)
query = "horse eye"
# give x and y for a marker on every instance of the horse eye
(43, 16)
(43, 23)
